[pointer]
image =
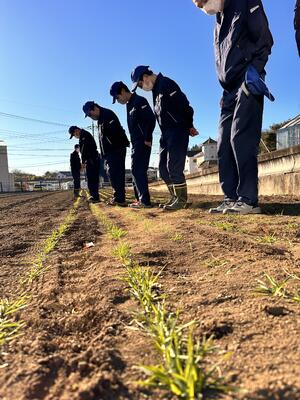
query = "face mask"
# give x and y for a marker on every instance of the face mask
(212, 7)
(147, 86)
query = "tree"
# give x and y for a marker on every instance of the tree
(269, 137)
(196, 147)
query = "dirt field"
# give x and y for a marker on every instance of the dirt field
(79, 343)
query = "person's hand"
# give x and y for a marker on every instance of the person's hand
(199, 3)
(149, 144)
(193, 132)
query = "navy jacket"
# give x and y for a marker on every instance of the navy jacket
(171, 105)
(297, 16)
(242, 37)
(111, 133)
(88, 147)
(297, 24)
(140, 119)
(75, 163)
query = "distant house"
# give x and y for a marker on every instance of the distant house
(191, 162)
(195, 160)
(64, 175)
(289, 134)
(152, 174)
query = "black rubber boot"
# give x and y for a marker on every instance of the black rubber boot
(180, 201)
(172, 198)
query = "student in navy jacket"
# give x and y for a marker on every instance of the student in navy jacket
(141, 123)
(243, 44)
(89, 158)
(297, 24)
(175, 118)
(113, 142)
(75, 163)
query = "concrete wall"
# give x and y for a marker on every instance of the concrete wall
(279, 174)
(6, 179)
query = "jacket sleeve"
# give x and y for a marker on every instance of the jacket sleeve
(297, 16)
(114, 131)
(180, 103)
(259, 33)
(146, 120)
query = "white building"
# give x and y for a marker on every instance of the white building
(209, 150)
(289, 134)
(64, 175)
(191, 162)
(6, 179)
(195, 160)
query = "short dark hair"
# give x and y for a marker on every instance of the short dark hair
(148, 73)
(73, 128)
(76, 146)
(123, 86)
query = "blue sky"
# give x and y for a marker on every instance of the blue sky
(55, 55)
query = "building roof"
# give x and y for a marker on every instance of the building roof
(292, 122)
(209, 141)
(2, 143)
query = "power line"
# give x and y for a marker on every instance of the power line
(44, 164)
(31, 119)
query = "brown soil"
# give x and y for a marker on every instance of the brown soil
(78, 341)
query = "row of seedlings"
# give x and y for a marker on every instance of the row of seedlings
(186, 369)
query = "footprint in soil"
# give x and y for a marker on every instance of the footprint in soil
(277, 311)
(219, 330)
(120, 299)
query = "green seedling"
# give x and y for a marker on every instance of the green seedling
(225, 226)
(270, 287)
(177, 237)
(49, 245)
(216, 262)
(143, 285)
(185, 371)
(123, 253)
(267, 239)
(116, 233)
(10, 329)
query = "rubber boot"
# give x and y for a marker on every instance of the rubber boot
(76, 193)
(172, 198)
(180, 201)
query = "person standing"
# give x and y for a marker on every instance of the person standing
(297, 24)
(90, 160)
(141, 123)
(243, 44)
(75, 163)
(113, 142)
(175, 118)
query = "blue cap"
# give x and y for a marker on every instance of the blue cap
(256, 85)
(137, 73)
(116, 88)
(87, 107)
